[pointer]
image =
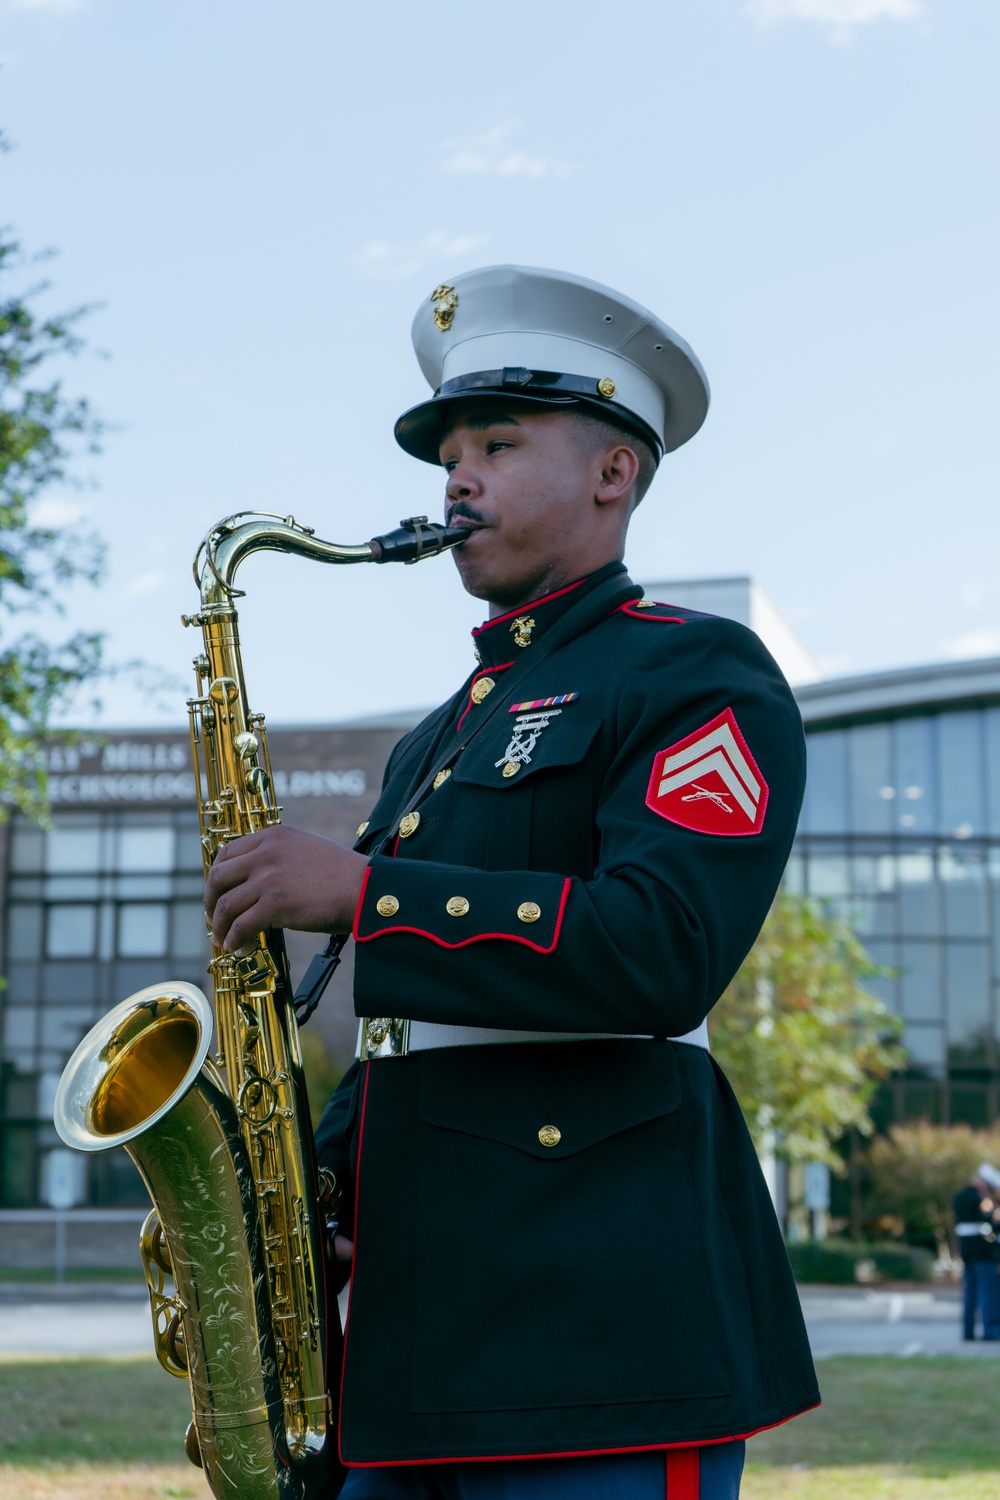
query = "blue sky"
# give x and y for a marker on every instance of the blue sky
(260, 194)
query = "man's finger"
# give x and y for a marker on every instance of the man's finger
(230, 907)
(226, 877)
(246, 926)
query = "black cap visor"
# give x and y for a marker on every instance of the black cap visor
(420, 430)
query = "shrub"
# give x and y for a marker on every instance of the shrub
(834, 1262)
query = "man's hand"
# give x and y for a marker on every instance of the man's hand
(282, 877)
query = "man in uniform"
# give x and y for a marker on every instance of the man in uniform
(568, 862)
(977, 1214)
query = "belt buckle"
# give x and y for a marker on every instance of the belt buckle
(384, 1036)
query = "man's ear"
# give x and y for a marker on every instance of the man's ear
(619, 474)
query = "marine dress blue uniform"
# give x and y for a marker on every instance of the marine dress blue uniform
(568, 862)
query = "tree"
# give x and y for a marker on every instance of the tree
(42, 430)
(800, 1038)
(915, 1171)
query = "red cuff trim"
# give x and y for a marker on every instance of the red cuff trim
(479, 937)
(532, 604)
(361, 902)
(666, 1448)
(628, 608)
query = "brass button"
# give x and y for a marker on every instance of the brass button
(550, 1135)
(456, 906)
(441, 778)
(529, 911)
(408, 824)
(482, 688)
(387, 906)
(362, 828)
(606, 387)
(511, 768)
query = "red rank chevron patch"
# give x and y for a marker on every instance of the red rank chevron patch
(709, 781)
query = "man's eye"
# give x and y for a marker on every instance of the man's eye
(450, 464)
(496, 445)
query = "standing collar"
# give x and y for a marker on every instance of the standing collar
(503, 639)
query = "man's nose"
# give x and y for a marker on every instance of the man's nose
(462, 483)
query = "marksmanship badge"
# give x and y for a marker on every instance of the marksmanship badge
(709, 781)
(524, 737)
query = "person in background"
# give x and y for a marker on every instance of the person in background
(977, 1213)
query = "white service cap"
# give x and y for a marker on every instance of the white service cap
(549, 338)
(989, 1174)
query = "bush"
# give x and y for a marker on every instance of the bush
(834, 1262)
(916, 1169)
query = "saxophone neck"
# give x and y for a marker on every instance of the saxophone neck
(231, 540)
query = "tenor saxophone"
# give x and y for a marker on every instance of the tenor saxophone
(234, 1248)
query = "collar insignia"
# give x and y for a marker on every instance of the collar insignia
(521, 630)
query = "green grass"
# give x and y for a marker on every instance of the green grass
(889, 1429)
(22, 1274)
(101, 1410)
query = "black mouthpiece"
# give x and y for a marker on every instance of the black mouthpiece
(416, 539)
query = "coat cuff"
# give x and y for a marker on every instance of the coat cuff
(453, 907)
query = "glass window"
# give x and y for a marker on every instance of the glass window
(918, 894)
(188, 939)
(925, 1044)
(18, 1029)
(920, 981)
(24, 932)
(963, 888)
(884, 986)
(826, 783)
(22, 982)
(872, 790)
(72, 931)
(71, 851)
(145, 849)
(922, 1102)
(873, 906)
(27, 853)
(63, 1026)
(967, 969)
(189, 849)
(142, 929)
(829, 875)
(914, 806)
(991, 724)
(969, 1106)
(794, 878)
(70, 982)
(961, 774)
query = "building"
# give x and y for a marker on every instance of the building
(900, 832)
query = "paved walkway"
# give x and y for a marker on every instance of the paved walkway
(841, 1320)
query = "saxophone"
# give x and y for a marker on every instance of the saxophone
(234, 1248)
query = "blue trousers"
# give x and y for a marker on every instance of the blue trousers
(982, 1295)
(709, 1473)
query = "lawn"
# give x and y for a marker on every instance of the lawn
(889, 1429)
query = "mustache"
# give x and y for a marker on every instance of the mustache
(462, 508)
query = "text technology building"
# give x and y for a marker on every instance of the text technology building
(900, 832)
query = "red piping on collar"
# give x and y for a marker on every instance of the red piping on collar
(534, 604)
(350, 1295)
(479, 937)
(492, 1458)
(484, 672)
(628, 608)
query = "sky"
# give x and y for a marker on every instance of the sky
(258, 196)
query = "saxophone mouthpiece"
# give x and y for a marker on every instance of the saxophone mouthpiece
(416, 539)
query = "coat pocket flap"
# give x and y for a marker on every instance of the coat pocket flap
(550, 1099)
(563, 742)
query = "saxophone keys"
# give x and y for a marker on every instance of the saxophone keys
(246, 745)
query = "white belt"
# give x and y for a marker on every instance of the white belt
(428, 1036)
(966, 1231)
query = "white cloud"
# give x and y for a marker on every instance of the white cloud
(52, 512)
(495, 154)
(842, 15)
(146, 583)
(982, 642)
(392, 260)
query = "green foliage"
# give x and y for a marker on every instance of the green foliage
(42, 430)
(916, 1170)
(801, 1039)
(834, 1262)
(323, 1071)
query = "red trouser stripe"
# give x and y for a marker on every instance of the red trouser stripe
(683, 1465)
